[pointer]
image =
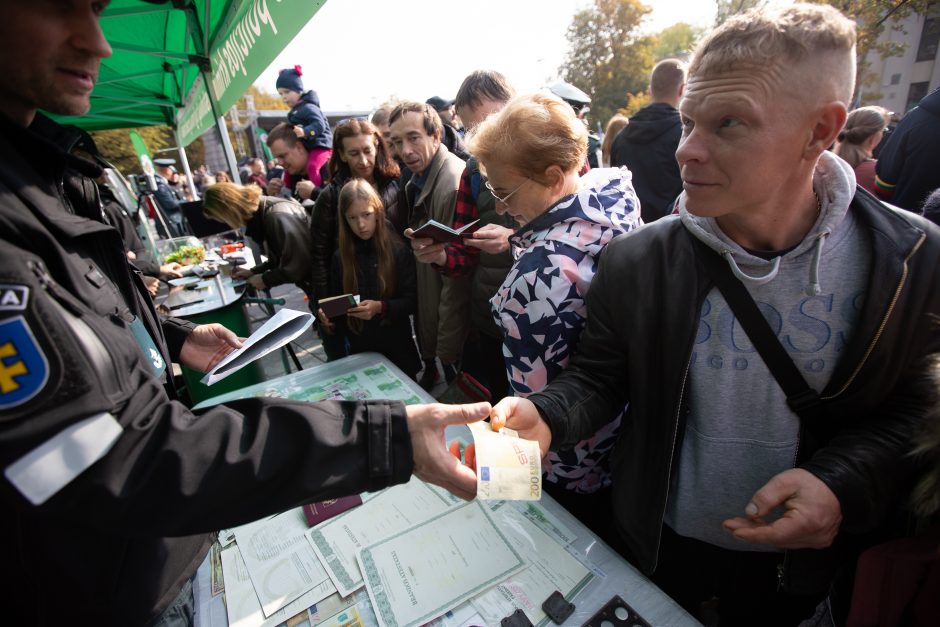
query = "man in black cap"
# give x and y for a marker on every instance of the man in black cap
(111, 487)
(452, 136)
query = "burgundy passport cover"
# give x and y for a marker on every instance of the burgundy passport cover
(316, 513)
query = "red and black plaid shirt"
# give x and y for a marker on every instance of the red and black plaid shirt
(462, 259)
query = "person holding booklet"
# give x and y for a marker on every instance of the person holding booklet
(373, 264)
(531, 152)
(358, 153)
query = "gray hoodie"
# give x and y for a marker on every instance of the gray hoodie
(740, 431)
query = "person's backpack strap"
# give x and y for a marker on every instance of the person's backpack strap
(803, 400)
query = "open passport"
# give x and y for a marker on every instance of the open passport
(442, 233)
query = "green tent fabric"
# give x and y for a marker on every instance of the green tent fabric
(159, 49)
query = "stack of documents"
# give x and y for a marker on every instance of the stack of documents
(410, 555)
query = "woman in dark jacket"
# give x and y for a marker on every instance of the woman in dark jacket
(358, 152)
(277, 224)
(375, 265)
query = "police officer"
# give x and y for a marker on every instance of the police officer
(110, 486)
(168, 195)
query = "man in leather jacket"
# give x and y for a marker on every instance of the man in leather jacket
(111, 488)
(720, 489)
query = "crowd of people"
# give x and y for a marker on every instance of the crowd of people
(725, 343)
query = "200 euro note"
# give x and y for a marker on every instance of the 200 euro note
(508, 467)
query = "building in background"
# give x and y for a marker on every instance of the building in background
(904, 80)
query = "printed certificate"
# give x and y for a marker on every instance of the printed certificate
(280, 561)
(551, 568)
(401, 507)
(241, 602)
(419, 574)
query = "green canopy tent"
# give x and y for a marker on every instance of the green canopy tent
(183, 63)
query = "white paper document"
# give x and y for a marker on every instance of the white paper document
(551, 568)
(281, 562)
(280, 329)
(419, 574)
(337, 540)
(241, 602)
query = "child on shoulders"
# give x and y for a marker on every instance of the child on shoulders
(309, 122)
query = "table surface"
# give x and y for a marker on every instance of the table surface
(614, 575)
(208, 294)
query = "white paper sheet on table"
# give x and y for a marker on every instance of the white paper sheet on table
(281, 562)
(419, 574)
(241, 602)
(280, 329)
(337, 540)
(551, 567)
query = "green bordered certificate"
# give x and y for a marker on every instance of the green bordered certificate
(419, 574)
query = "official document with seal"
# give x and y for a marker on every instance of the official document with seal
(280, 561)
(419, 574)
(398, 508)
(550, 568)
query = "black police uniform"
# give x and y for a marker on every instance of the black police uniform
(111, 488)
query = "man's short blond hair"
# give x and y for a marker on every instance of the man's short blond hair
(530, 134)
(785, 39)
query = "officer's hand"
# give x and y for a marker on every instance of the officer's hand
(520, 414)
(490, 238)
(304, 189)
(426, 250)
(241, 273)
(432, 461)
(207, 345)
(811, 513)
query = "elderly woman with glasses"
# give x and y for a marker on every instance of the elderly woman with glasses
(531, 153)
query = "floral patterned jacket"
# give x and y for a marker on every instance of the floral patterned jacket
(540, 306)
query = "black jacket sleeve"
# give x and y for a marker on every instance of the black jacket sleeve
(288, 242)
(171, 471)
(405, 300)
(323, 235)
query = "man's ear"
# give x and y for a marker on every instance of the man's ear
(828, 121)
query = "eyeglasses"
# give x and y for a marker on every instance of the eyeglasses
(505, 199)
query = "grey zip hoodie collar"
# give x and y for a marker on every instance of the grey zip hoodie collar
(833, 182)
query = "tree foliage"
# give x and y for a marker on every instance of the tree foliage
(115, 145)
(676, 40)
(608, 57)
(727, 8)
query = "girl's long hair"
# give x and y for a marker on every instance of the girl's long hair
(360, 189)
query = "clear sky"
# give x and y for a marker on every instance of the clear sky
(358, 53)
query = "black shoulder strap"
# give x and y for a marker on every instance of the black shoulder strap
(802, 399)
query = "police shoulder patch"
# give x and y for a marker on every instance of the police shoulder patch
(13, 297)
(24, 369)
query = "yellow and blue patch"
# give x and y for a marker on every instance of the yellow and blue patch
(24, 369)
